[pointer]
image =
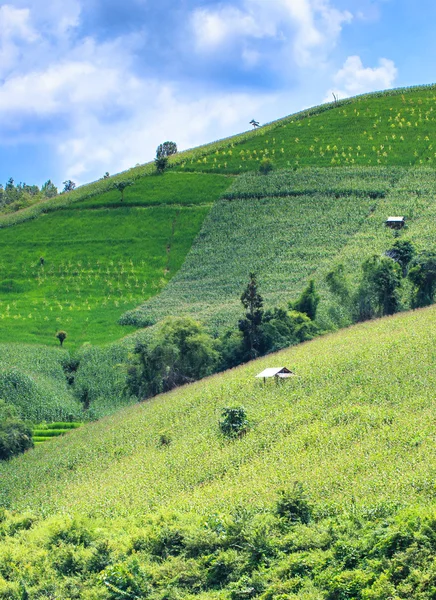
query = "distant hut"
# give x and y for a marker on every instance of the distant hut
(276, 372)
(395, 222)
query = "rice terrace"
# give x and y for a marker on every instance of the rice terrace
(141, 457)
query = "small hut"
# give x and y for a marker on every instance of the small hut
(395, 222)
(276, 372)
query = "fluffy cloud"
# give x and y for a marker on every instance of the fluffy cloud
(305, 29)
(353, 78)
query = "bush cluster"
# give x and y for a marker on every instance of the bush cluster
(292, 549)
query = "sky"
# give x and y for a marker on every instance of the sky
(90, 86)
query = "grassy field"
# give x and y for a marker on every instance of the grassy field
(288, 227)
(360, 407)
(97, 263)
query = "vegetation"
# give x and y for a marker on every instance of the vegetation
(266, 515)
(44, 432)
(15, 434)
(290, 227)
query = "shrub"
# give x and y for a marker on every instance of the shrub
(293, 505)
(15, 434)
(234, 422)
(265, 166)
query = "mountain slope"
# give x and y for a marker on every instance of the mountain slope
(360, 406)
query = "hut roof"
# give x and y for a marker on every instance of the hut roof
(276, 372)
(395, 219)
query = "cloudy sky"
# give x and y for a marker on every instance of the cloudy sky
(89, 86)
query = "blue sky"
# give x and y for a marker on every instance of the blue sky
(89, 86)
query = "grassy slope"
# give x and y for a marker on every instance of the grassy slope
(332, 216)
(380, 129)
(356, 422)
(100, 262)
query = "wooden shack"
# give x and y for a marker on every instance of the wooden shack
(276, 372)
(395, 222)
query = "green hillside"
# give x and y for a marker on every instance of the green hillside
(365, 393)
(98, 259)
(115, 512)
(288, 227)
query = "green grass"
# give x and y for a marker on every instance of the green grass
(372, 130)
(97, 264)
(170, 188)
(356, 423)
(44, 432)
(32, 379)
(289, 227)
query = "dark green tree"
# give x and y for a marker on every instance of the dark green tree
(422, 274)
(338, 284)
(161, 163)
(166, 149)
(378, 292)
(402, 252)
(178, 352)
(61, 336)
(308, 301)
(250, 326)
(121, 187)
(15, 434)
(69, 186)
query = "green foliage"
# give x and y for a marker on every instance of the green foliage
(166, 149)
(121, 186)
(402, 252)
(69, 186)
(177, 352)
(234, 422)
(250, 326)
(423, 277)
(293, 506)
(265, 166)
(15, 434)
(308, 301)
(61, 336)
(161, 164)
(378, 293)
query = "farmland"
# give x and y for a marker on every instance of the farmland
(355, 428)
(78, 269)
(288, 227)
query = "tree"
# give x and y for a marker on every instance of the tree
(179, 351)
(121, 186)
(338, 284)
(69, 185)
(307, 302)
(254, 123)
(106, 175)
(166, 149)
(49, 189)
(422, 274)
(15, 434)
(161, 164)
(61, 336)
(402, 252)
(378, 292)
(252, 301)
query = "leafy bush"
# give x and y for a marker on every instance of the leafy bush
(15, 434)
(294, 505)
(234, 422)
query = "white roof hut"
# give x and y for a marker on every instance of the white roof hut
(277, 372)
(396, 222)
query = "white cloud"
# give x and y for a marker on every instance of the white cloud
(353, 78)
(307, 29)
